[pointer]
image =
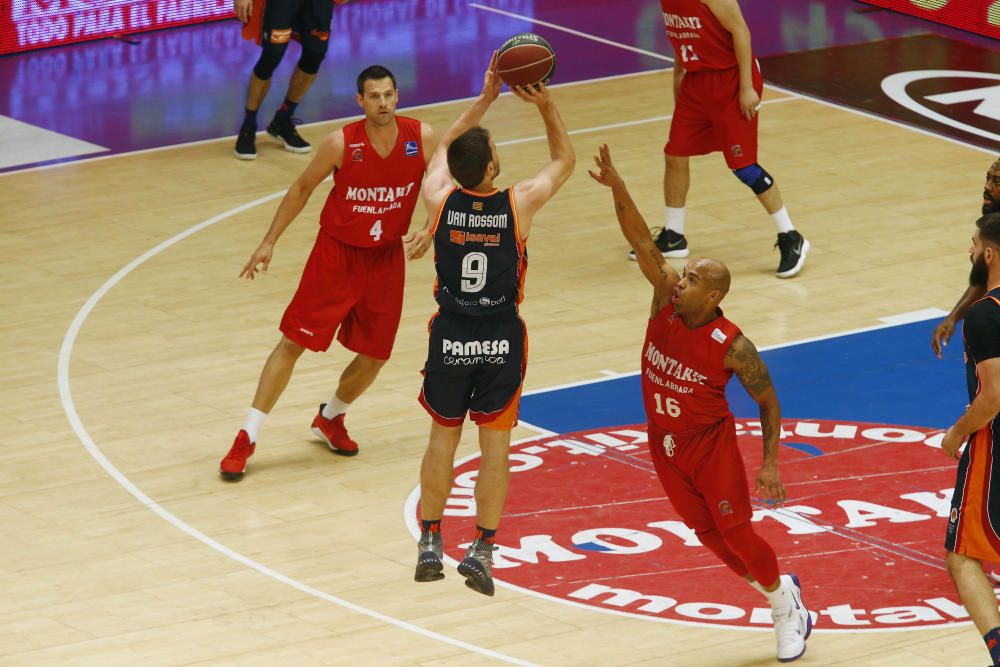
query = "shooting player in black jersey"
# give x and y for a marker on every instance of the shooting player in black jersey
(478, 344)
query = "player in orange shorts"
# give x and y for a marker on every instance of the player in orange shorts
(478, 344)
(974, 521)
(717, 88)
(353, 279)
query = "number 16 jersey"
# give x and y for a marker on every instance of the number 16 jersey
(684, 375)
(478, 253)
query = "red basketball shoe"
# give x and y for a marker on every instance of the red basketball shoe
(235, 463)
(334, 434)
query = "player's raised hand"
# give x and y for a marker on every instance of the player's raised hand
(243, 9)
(941, 336)
(537, 94)
(607, 174)
(416, 243)
(491, 81)
(769, 484)
(261, 256)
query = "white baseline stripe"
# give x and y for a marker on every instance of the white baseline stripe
(66, 396)
(660, 56)
(905, 318)
(577, 33)
(344, 119)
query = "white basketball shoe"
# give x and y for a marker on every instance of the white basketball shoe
(792, 622)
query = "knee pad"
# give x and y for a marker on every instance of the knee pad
(270, 56)
(310, 60)
(755, 178)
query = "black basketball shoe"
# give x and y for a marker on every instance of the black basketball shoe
(430, 551)
(669, 243)
(477, 567)
(282, 128)
(246, 144)
(793, 249)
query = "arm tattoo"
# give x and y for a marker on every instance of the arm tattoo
(767, 431)
(750, 368)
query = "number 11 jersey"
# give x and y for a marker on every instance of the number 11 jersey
(478, 253)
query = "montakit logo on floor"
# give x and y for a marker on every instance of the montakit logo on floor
(863, 527)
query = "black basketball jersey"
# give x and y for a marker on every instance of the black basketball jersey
(479, 257)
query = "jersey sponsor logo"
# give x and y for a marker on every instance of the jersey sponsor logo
(475, 348)
(671, 367)
(685, 22)
(865, 542)
(718, 336)
(457, 236)
(280, 36)
(489, 220)
(378, 194)
(477, 206)
(357, 155)
(470, 353)
(410, 148)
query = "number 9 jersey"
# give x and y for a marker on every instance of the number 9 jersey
(478, 253)
(684, 375)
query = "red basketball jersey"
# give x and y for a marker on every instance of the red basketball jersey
(683, 373)
(373, 198)
(699, 40)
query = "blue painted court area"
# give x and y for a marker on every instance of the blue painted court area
(887, 375)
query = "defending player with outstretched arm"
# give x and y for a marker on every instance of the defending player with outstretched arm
(691, 352)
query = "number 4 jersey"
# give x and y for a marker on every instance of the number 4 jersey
(683, 372)
(373, 198)
(478, 253)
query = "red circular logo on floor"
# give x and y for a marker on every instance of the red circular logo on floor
(587, 522)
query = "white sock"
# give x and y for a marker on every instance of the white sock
(675, 219)
(782, 221)
(756, 586)
(334, 407)
(254, 422)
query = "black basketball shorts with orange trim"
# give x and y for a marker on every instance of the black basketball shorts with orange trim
(475, 365)
(974, 519)
(309, 19)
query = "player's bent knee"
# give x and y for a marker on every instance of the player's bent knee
(270, 56)
(755, 177)
(310, 60)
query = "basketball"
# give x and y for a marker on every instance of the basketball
(525, 60)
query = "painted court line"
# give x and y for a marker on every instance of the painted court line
(69, 407)
(660, 56)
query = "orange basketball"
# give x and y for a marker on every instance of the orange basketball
(525, 60)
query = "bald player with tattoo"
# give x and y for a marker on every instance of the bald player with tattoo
(691, 351)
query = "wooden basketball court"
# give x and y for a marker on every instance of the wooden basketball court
(131, 352)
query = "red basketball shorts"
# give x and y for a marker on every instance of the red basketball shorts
(707, 117)
(359, 290)
(704, 478)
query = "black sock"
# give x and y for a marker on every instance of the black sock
(431, 526)
(250, 119)
(992, 639)
(287, 108)
(485, 534)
